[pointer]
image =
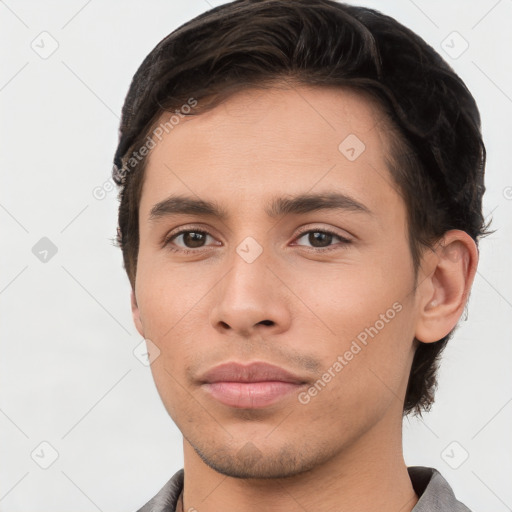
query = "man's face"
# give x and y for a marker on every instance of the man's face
(335, 310)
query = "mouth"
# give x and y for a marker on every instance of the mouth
(252, 386)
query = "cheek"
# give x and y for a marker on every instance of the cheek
(167, 297)
(348, 298)
(365, 317)
(175, 318)
(363, 374)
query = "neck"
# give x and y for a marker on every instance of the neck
(370, 474)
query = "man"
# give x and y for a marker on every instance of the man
(300, 205)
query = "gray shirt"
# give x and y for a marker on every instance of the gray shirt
(435, 494)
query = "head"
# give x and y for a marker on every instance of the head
(251, 109)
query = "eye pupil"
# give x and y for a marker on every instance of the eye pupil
(318, 236)
(193, 239)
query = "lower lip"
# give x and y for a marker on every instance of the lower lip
(250, 395)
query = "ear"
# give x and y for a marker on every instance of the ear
(136, 314)
(444, 288)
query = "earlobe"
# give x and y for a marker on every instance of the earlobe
(443, 293)
(136, 314)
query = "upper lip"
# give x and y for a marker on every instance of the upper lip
(254, 372)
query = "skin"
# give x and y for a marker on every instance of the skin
(293, 306)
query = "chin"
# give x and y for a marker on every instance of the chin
(250, 462)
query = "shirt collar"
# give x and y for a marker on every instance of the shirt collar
(435, 494)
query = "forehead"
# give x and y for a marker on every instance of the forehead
(260, 142)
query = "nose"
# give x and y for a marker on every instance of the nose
(249, 300)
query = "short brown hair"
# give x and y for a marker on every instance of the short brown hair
(438, 156)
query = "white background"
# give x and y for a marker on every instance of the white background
(68, 375)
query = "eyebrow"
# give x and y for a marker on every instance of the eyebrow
(278, 206)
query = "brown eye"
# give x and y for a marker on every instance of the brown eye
(187, 239)
(194, 239)
(319, 238)
(322, 239)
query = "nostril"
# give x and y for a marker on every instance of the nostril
(266, 322)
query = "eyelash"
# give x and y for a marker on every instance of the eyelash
(169, 238)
